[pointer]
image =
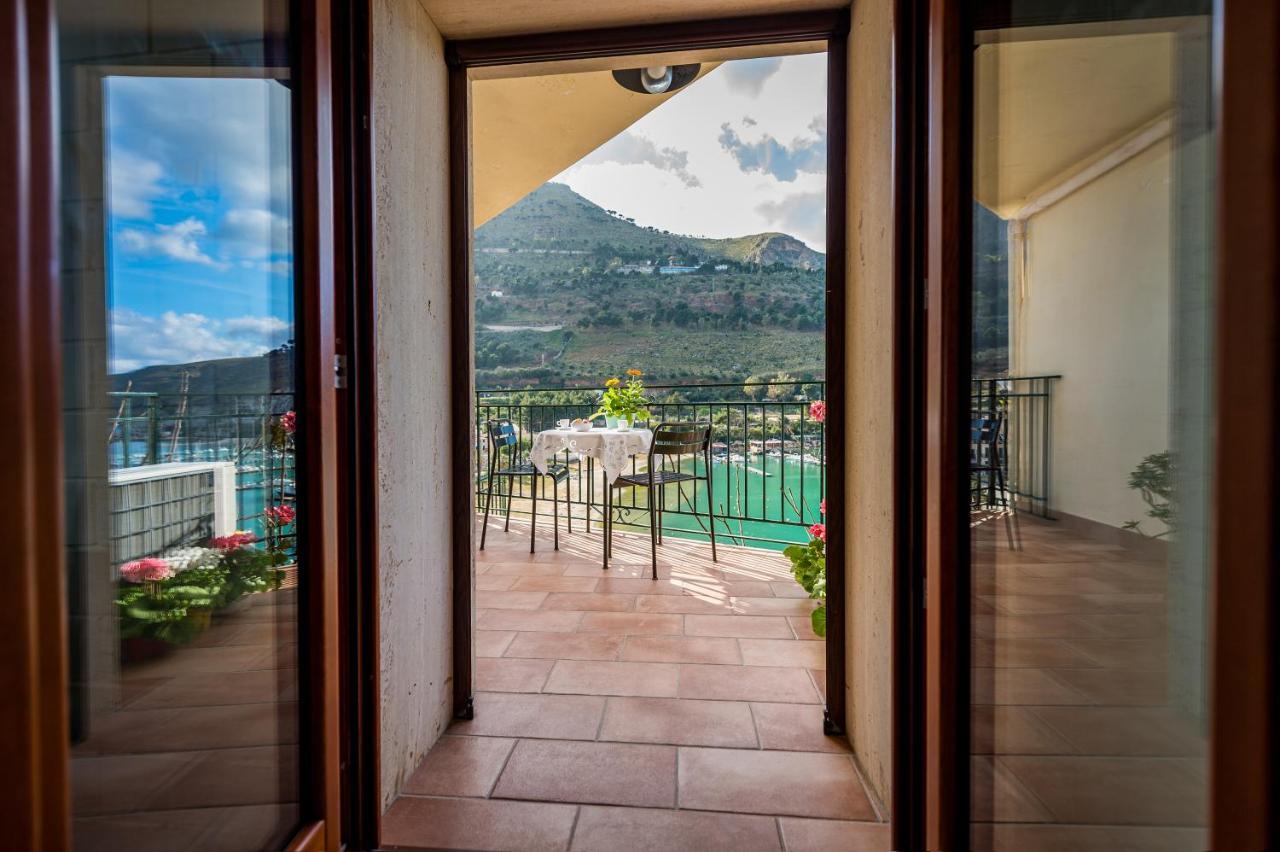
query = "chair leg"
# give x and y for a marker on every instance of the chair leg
(533, 518)
(488, 501)
(511, 486)
(606, 532)
(591, 490)
(711, 503)
(653, 531)
(711, 517)
(555, 512)
(568, 498)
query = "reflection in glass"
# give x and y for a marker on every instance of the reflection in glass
(1090, 434)
(178, 393)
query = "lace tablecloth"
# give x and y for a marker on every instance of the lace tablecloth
(611, 448)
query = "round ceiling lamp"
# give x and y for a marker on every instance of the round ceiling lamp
(656, 79)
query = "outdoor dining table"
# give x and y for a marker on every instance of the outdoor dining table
(611, 448)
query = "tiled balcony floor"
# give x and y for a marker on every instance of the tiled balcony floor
(618, 712)
(200, 749)
(1079, 741)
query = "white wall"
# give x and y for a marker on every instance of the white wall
(412, 182)
(1097, 310)
(868, 327)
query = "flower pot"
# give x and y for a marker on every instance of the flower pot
(139, 649)
(610, 421)
(624, 423)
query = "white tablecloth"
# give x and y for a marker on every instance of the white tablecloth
(611, 448)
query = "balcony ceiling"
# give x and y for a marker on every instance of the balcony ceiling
(457, 19)
(531, 122)
(1049, 107)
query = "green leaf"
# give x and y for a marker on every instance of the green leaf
(818, 620)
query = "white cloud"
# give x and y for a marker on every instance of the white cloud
(141, 340)
(254, 233)
(748, 76)
(634, 149)
(224, 133)
(726, 201)
(132, 183)
(803, 215)
(770, 156)
(176, 242)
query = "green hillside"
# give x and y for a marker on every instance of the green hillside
(567, 292)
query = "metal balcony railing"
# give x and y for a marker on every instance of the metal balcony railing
(768, 456)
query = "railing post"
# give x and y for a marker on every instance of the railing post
(127, 432)
(153, 432)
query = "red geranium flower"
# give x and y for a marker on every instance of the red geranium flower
(237, 539)
(281, 515)
(818, 531)
(289, 421)
(818, 410)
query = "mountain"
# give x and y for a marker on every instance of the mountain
(555, 219)
(271, 372)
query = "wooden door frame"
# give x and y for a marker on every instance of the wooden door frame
(34, 717)
(829, 26)
(1244, 610)
(34, 741)
(1245, 613)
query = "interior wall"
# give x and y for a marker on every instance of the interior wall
(410, 98)
(868, 329)
(1096, 310)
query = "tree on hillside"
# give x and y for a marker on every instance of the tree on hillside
(755, 391)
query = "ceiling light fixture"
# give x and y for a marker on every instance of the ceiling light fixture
(656, 79)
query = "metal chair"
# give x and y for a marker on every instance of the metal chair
(986, 468)
(502, 436)
(669, 440)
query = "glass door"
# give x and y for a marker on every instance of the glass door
(189, 580)
(1091, 425)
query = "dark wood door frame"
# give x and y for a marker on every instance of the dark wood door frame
(34, 726)
(34, 742)
(830, 26)
(1245, 604)
(1246, 546)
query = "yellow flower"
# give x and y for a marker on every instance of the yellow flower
(635, 372)
(613, 383)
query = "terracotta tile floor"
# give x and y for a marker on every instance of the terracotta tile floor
(199, 748)
(616, 712)
(1079, 742)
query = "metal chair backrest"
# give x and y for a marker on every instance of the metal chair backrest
(677, 439)
(502, 435)
(984, 437)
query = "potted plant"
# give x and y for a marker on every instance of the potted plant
(809, 561)
(621, 404)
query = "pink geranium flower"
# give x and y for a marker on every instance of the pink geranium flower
(289, 421)
(818, 410)
(818, 531)
(237, 539)
(822, 507)
(146, 570)
(281, 515)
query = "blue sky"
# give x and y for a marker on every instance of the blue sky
(199, 238)
(741, 150)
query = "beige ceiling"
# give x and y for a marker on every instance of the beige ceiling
(481, 18)
(526, 130)
(1046, 108)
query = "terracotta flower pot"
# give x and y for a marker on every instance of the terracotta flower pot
(139, 649)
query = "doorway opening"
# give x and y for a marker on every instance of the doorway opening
(648, 243)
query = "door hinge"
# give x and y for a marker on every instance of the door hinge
(339, 371)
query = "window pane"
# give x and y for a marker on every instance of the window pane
(178, 317)
(1091, 425)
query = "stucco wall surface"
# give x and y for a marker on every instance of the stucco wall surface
(868, 326)
(411, 192)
